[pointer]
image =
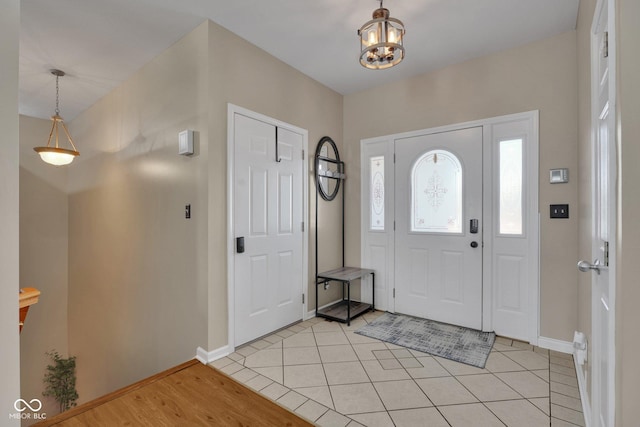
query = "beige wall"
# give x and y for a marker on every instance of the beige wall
(250, 78)
(539, 76)
(43, 259)
(147, 286)
(137, 268)
(9, 223)
(628, 289)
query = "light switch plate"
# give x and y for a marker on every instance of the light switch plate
(559, 211)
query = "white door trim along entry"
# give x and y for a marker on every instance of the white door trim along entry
(510, 260)
(274, 222)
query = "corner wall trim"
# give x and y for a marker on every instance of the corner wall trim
(567, 347)
(206, 357)
(555, 345)
(584, 393)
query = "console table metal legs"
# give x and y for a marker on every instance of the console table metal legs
(346, 309)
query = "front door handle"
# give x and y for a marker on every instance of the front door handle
(240, 245)
(585, 266)
(474, 244)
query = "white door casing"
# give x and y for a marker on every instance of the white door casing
(438, 191)
(510, 255)
(268, 209)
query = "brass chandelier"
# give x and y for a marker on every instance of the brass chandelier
(381, 41)
(56, 155)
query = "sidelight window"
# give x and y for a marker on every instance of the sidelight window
(377, 193)
(511, 175)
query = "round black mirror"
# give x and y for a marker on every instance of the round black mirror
(328, 168)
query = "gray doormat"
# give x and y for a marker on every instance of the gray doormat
(440, 339)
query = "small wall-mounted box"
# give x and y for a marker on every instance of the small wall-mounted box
(559, 176)
(185, 142)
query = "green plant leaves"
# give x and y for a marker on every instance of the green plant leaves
(60, 380)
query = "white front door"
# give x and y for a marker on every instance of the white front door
(604, 215)
(438, 237)
(268, 215)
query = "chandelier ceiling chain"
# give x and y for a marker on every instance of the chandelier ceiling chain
(56, 155)
(381, 40)
(57, 93)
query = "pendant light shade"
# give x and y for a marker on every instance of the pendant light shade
(381, 41)
(54, 154)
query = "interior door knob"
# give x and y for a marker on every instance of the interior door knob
(474, 244)
(585, 266)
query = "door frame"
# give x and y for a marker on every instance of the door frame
(385, 146)
(232, 110)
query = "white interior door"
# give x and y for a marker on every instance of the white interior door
(268, 215)
(604, 214)
(438, 237)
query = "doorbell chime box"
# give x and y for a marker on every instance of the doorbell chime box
(559, 176)
(185, 142)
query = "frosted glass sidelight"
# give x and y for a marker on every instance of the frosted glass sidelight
(436, 193)
(510, 212)
(377, 193)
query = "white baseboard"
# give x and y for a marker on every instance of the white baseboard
(206, 357)
(584, 393)
(567, 347)
(555, 345)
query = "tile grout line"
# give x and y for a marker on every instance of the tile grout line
(308, 398)
(499, 379)
(414, 380)
(523, 398)
(365, 371)
(549, 369)
(333, 402)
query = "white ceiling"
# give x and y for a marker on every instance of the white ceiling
(100, 43)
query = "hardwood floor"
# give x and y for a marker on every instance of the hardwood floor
(191, 394)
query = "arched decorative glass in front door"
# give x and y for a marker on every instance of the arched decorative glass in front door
(436, 193)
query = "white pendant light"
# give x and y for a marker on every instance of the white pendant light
(381, 41)
(55, 155)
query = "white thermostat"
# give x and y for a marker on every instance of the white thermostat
(559, 176)
(185, 142)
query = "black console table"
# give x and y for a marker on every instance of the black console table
(329, 172)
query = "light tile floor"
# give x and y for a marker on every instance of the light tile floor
(333, 377)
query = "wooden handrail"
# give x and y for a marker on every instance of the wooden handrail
(28, 297)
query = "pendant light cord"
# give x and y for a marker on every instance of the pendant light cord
(57, 96)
